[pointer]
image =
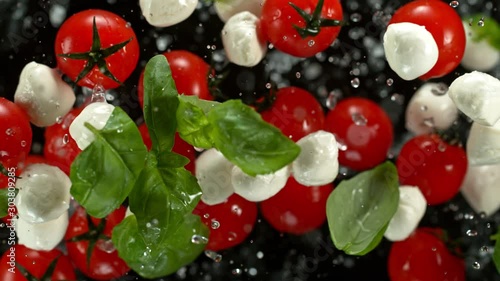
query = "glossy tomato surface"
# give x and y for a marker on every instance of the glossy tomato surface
(15, 134)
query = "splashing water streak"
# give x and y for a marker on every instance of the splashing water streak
(98, 94)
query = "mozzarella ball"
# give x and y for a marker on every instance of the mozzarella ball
(410, 49)
(479, 55)
(481, 190)
(96, 114)
(213, 172)
(42, 236)
(163, 13)
(43, 94)
(228, 8)
(260, 187)
(425, 106)
(483, 145)
(241, 42)
(43, 193)
(411, 210)
(317, 163)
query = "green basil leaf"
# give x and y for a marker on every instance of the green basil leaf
(359, 209)
(204, 105)
(193, 125)
(161, 198)
(489, 31)
(249, 142)
(160, 103)
(105, 172)
(496, 251)
(4, 201)
(171, 160)
(151, 259)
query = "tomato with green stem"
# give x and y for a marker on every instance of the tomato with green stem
(301, 28)
(96, 47)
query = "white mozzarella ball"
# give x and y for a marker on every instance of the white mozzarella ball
(43, 193)
(43, 94)
(96, 114)
(228, 8)
(411, 210)
(317, 163)
(163, 13)
(480, 188)
(42, 236)
(483, 145)
(241, 42)
(477, 95)
(260, 187)
(213, 172)
(479, 55)
(427, 110)
(410, 49)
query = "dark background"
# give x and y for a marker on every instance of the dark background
(28, 30)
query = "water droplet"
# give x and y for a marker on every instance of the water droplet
(235, 209)
(65, 139)
(355, 82)
(23, 143)
(252, 271)
(423, 107)
(389, 82)
(268, 85)
(442, 147)
(215, 224)
(359, 119)
(9, 132)
(206, 216)
(311, 43)
(236, 271)
(481, 22)
(106, 246)
(484, 249)
(476, 265)
(332, 99)
(128, 25)
(198, 239)
(454, 4)
(471, 233)
(429, 122)
(298, 75)
(469, 216)
(213, 256)
(59, 119)
(342, 146)
(98, 94)
(260, 255)
(398, 98)
(440, 89)
(356, 17)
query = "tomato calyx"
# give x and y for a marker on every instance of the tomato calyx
(313, 22)
(4, 171)
(96, 56)
(47, 275)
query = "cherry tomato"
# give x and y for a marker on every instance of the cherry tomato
(432, 165)
(424, 256)
(60, 148)
(190, 73)
(105, 263)
(107, 60)
(296, 112)
(279, 23)
(363, 130)
(297, 209)
(15, 134)
(230, 222)
(36, 264)
(31, 159)
(446, 27)
(180, 147)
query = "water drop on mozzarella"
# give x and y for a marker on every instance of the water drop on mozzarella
(213, 172)
(43, 94)
(43, 193)
(97, 115)
(426, 105)
(241, 42)
(477, 95)
(42, 236)
(480, 188)
(228, 8)
(483, 145)
(163, 13)
(480, 55)
(411, 210)
(410, 49)
(260, 187)
(317, 163)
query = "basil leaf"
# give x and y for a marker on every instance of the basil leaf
(489, 31)
(359, 209)
(4, 201)
(104, 173)
(193, 125)
(152, 260)
(249, 142)
(160, 103)
(171, 160)
(204, 105)
(496, 251)
(161, 198)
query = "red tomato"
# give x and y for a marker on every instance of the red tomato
(180, 147)
(31, 159)
(190, 73)
(432, 165)
(445, 25)
(60, 148)
(105, 63)
(363, 130)
(105, 263)
(36, 263)
(279, 21)
(423, 257)
(295, 112)
(297, 209)
(15, 134)
(230, 222)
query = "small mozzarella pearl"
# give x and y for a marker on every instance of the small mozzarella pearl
(228, 8)
(260, 187)
(480, 188)
(42, 236)
(213, 172)
(96, 114)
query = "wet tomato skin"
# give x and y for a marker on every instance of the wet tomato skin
(15, 134)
